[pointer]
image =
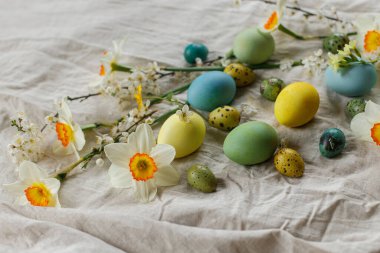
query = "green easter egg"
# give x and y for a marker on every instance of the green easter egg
(201, 178)
(251, 143)
(224, 118)
(355, 106)
(270, 88)
(335, 42)
(252, 46)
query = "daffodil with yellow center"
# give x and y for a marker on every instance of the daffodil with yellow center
(141, 164)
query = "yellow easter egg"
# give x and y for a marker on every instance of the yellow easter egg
(184, 136)
(242, 75)
(289, 162)
(296, 104)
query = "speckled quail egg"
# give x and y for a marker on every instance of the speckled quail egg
(335, 42)
(201, 178)
(242, 74)
(270, 88)
(225, 118)
(289, 162)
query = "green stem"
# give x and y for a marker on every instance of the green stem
(117, 67)
(94, 125)
(193, 69)
(172, 91)
(289, 32)
(165, 115)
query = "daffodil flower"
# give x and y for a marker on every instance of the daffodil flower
(35, 187)
(366, 125)
(184, 114)
(368, 33)
(141, 164)
(274, 20)
(70, 137)
(372, 41)
(111, 58)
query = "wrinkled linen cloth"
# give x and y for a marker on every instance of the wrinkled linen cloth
(51, 49)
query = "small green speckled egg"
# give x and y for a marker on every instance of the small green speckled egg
(289, 162)
(242, 75)
(270, 88)
(355, 106)
(335, 42)
(225, 118)
(201, 178)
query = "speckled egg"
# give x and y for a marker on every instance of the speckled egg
(252, 46)
(242, 74)
(332, 142)
(194, 51)
(289, 162)
(251, 143)
(201, 178)
(211, 90)
(224, 118)
(296, 104)
(270, 88)
(355, 106)
(353, 81)
(335, 42)
(185, 137)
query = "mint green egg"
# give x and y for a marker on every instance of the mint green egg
(252, 46)
(251, 143)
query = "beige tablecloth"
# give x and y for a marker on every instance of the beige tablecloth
(50, 49)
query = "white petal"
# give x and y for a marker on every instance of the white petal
(120, 177)
(56, 202)
(59, 149)
(30, 172)
(280, 9)
(361, 127)
(119, 153)
(372, 111)
(64, 111)
(145, 138)
(162, 154)
(22, 200)
(166, 176)
(146, 190)
(16, 188)
(78, 137)
(52, 184)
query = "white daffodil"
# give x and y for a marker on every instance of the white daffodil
(368, 28)
(274, 20)
(111, 58)
(184, 114)
(35, 187)
(141, 164)
(366, 125)
(70, 137)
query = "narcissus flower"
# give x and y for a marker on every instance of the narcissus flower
(366, 125)
(35, 187)
(141, 164)
(111, 58)
(372, 41)
(275, 18)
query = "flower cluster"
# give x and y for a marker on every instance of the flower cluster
(315, 62)
(349, 55)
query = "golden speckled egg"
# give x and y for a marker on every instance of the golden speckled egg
(225, 118)
(289, 162)
(242, 75)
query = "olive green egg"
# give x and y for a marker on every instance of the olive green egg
(355, 106)
(252, 46)
(289, 162)
(242, 74)
(270, 88)
(251, 143)
(224, 118)
(201, 178)
(335, 42)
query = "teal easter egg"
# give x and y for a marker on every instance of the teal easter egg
(332, 142)
(352, 81)
(194, 51)
(253, 46)
(251, 143)
(211, 90)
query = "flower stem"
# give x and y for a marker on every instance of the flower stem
(289, 32)
(170, 92)
(117, 67)
(193, 69)
(165, 116)
(95, 125)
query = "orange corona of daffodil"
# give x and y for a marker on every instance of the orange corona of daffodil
(372, 41)
(272, 21)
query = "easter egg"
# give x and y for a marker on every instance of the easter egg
(332, 142)
(201, 178)
(242, 75)
(252, 46)
(194, 51)
(211, 90)
(353, 81)
(289, 162)
(296, 104)
(251, 143)
(224, 118)
(185, 137)
(355, 106)
(270, 88)
(335, 42)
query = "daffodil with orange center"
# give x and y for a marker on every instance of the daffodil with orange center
(274, 19)
(372, 41)
(366, 125)
(141, 164)
(35, 187)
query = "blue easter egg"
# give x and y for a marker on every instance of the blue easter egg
(353, 81)
(195, 50)
(332, 142)
(211, 90)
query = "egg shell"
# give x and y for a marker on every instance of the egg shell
(211, 90)
(332, 142)
(252, 46)
(352, 81)
(251, 143)
(194, 51)
(355, 106)
(185, 137)
(335, 42)
(242, 74)
(224, 118)
(289, 162)
(296, 104)
(201, 178)
(270, 88)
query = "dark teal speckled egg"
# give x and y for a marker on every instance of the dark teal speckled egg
(332, 142)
